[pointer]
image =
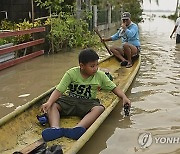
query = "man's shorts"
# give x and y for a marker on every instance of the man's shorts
(71, 106)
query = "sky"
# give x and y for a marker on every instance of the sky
(163, 5)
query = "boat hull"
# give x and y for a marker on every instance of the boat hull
(21, 128)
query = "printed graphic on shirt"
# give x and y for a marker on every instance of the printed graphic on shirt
(80, 91)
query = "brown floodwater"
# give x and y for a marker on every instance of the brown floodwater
(155, 96)
(155, 93)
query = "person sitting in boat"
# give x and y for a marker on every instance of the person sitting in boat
(80, 84)
(129, 34)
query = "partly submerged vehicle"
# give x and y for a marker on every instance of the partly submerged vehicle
(21, 128)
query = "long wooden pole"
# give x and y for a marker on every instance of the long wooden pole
(96, 30)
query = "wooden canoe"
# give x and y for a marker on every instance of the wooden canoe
(21, 128)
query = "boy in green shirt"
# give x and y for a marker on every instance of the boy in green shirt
(83, 83)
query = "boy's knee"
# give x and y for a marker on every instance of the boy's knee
(55, 106)
(101, 109)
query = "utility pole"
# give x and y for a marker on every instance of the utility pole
(177, 7)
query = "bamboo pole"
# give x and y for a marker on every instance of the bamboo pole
(96, 30)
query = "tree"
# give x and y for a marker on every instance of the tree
(132, 6)
(56, 5)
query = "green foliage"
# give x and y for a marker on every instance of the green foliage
(7, 25)
(11, 26)
(2, 41)
(53, 4)
(56, 6)
(23, 26)
(173, 17)
(68, 31)
(134, 7)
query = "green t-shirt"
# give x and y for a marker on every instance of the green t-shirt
(80, 87)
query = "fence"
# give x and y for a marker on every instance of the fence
(9, 49)
(102, 17)
(105, 18)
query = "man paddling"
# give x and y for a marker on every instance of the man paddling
(129, 34)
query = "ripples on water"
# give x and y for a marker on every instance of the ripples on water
(24, 82)
(155, 94)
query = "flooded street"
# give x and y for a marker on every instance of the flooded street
(155, 94)
(23, 82)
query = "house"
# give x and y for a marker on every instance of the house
(18, 10)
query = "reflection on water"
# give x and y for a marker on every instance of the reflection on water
(23, 82)
(154, 94)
